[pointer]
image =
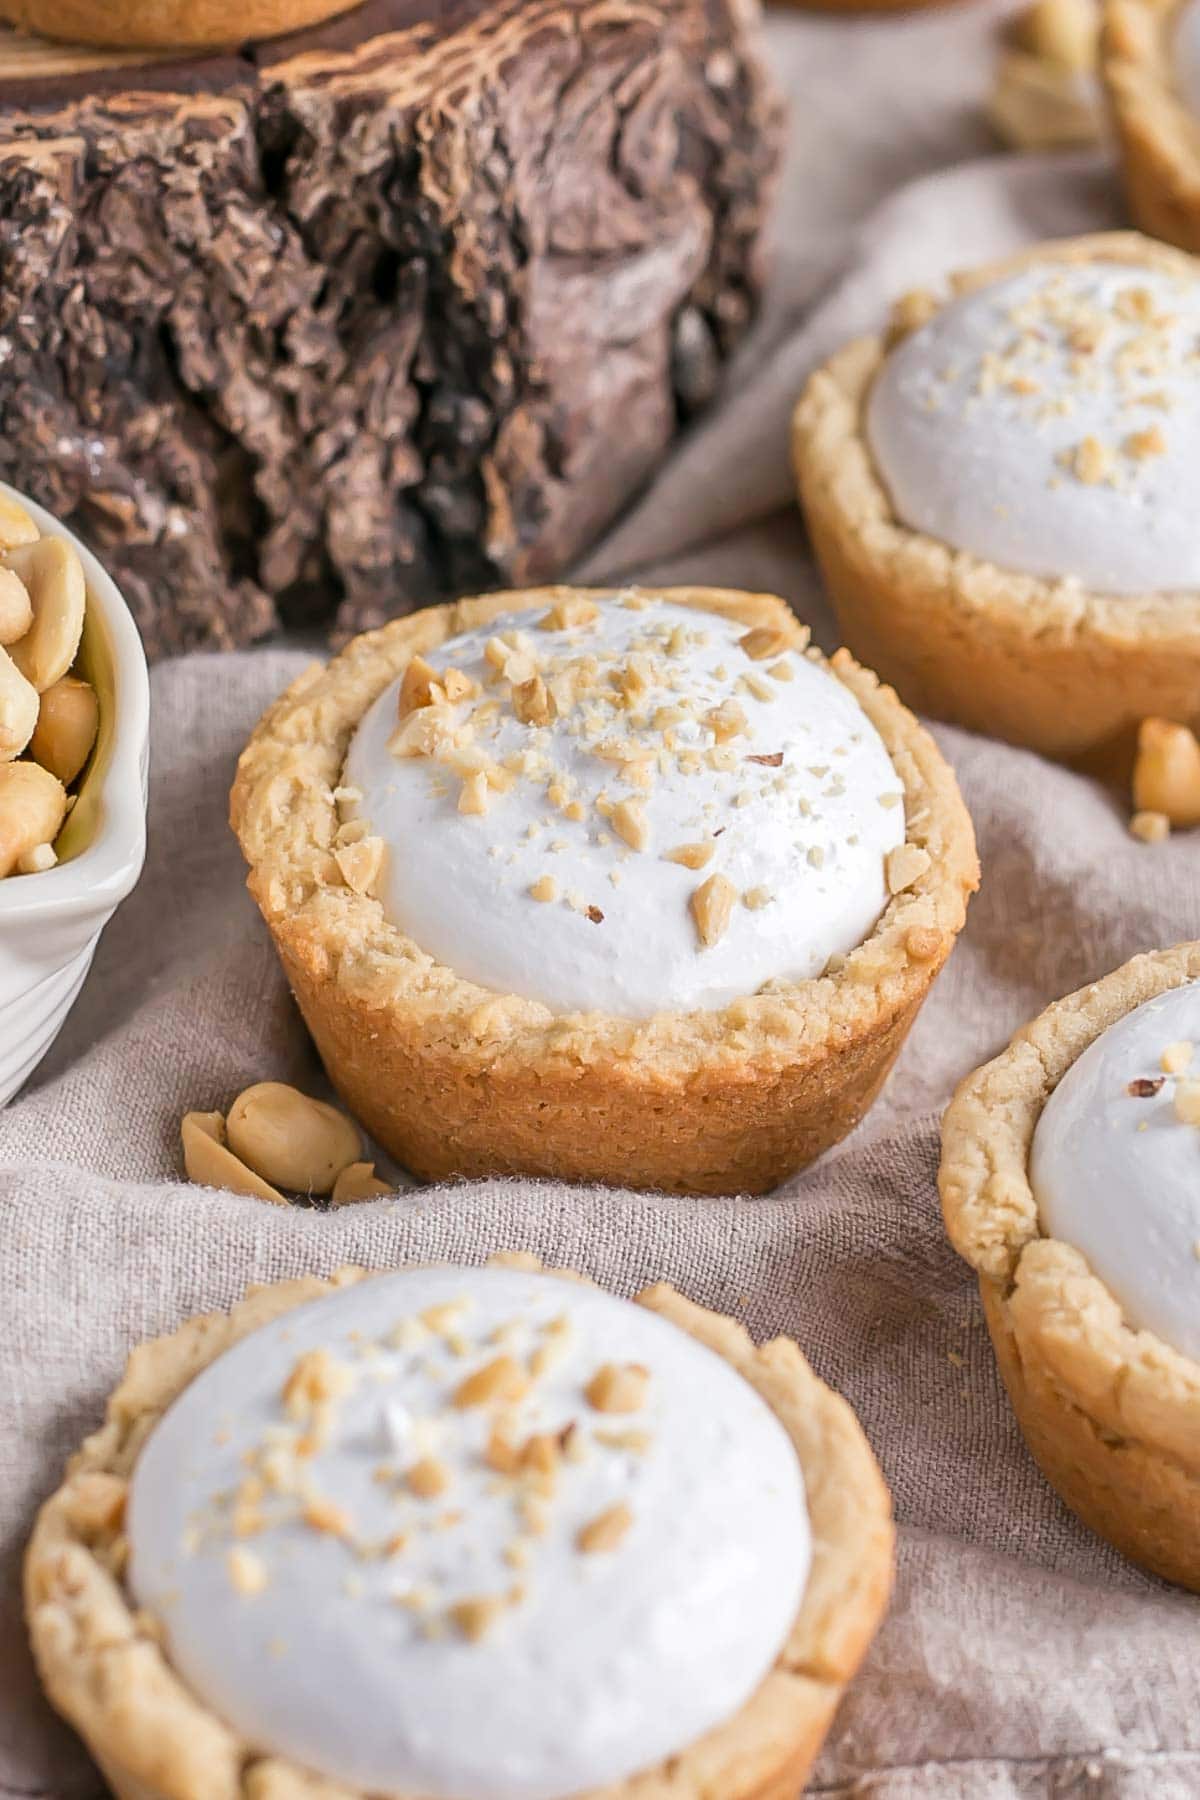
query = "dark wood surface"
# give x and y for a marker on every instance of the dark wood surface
(407, 305)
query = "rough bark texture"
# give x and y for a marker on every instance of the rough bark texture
(378, 313)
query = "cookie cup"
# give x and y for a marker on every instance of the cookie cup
(456, 1080)
(1158, 137)
(1041, 663)
(1111, 1415)
(104, 1669)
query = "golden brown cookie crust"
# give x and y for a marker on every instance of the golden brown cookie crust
(456, 1080)
(1046, 664)
(167, 24)
(1112, 1415)
(103, 1668)
(1159, 137)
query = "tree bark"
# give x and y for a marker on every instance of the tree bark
(384, 311)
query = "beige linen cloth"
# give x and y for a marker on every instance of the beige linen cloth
(1021, 1657)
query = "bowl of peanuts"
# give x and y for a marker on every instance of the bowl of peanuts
(74, 736)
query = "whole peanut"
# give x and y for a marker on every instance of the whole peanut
(16, 526)
(291, 1141)
(53, 575)
(33, 804)
(67, 722)
(16, 608)
(18, 709)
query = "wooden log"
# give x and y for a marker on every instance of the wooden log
(394, 308)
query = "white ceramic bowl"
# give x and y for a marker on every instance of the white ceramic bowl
(49, 923)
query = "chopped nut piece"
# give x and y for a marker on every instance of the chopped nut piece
(628, 820)
(532, 702)
(606, 1531)
(1176, 1058)
(569, 612)
(360, 864)
(904, 866)
(1145, 1087)
(427, 1478)
(773, 761)
(1150, 827)
(499, 1382)
(595, 915)
(635, 1442)
(726, 721)
(457, 686)
(316, 1379)
(692, 856)
(475, 1617)
(1187, 1102)
(247, 1572)
(423, 733)
(419, 687)
(712, 905)
(782, 671)
(756, 898)
(540, 1457)
(545, 888)
(618, 1388)
(1091, 461)
(1166, 772)
(324, 1515)
(501, 1454)
(473, 796)
(762, 642)
(1141, 445)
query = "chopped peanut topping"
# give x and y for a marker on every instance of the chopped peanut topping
(1091, 462)
(692, 856)
(905, 866)
(457, 685)
(1187, 1102)
(618, 1388)
(473, 796)
(1176, 1058)
(545, 888)
(500, 1382)
(572, 611)
(629, 821)
(763, 642)
(1144, 444)
(247, 1572)
(360, 864)
(419, 687)
(316, 1379)
(712, 905)
(532, 702)
(475, 1617)
(428, 1478)
(606, 1531)
(324, 1515)
(726, 721)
